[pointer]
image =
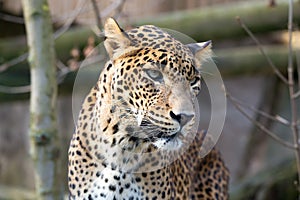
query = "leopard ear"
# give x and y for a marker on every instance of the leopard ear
(116, 41)
(202, 51)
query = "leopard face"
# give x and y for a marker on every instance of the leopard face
(154, 84)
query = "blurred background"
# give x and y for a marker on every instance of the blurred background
(260, 167)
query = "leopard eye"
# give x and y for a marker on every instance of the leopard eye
(155, 75)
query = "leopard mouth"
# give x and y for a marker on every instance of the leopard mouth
(167, 137)
(162, 136)
(155, 132)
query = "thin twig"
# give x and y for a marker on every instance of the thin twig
(261, 126)
(71, 18)
(298, 69)
(117, 6)
(61, 75)
(104, 13)
(63, 71)
(57, 34)
(276, 71)
(79, 9)
(291, 84)
(27, 88)
(113, 6)
(297, 53)
(97, 14)
(11, 18)
(15, 90)
(119, 9)
(296, 94)
(68, 23)
(276, 118)
(13, 62)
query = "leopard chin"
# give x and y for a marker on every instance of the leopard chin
(169, 143)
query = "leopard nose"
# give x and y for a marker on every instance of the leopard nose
(182, 119)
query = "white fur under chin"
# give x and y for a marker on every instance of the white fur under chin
(164, 144)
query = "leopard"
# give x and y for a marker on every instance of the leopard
(135, 137)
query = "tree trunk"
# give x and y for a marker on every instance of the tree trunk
(43, 124)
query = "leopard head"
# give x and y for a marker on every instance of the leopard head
(154, 83)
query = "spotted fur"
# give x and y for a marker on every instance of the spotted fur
(138, 117)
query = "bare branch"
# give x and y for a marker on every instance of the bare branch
(63, 71)
(297, 53)
(70, 20)
(261, 126)
(296, 95)
(113, 6)
(15, 90)
(57, 34)
(104, 13)
(291, 86)
(298, 68)
(119, 9)
(276, 118)
(116, 5)
(13, 62)
(61, 74)
(276, 71)
(97, 14)
(11, 18)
